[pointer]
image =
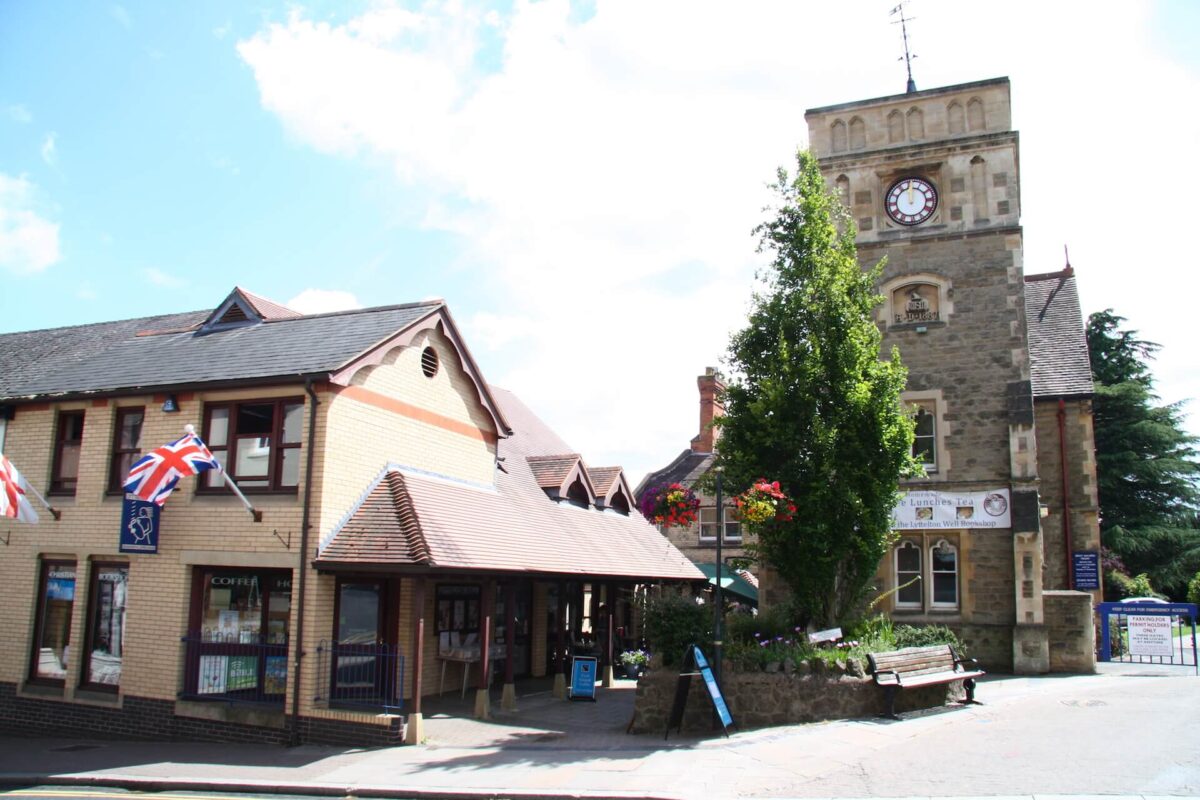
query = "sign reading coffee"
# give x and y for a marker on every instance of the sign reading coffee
(952, 510)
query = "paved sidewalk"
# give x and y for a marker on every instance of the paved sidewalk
(1118, 733)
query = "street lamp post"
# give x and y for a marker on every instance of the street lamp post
(718, 604)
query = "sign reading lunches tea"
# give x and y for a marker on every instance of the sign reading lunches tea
(952, 510)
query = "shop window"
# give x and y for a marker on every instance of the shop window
(257, 442)
(458, 609)
(709, 524)
(104, 649)
(238, 637)
(365, 664)
(908, 575)
(68, 437)
(51, 654)
(127, 446)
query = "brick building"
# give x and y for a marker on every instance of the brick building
(999, 380)
(408, 519)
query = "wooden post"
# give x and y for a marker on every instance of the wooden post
(508, 697)
(483, 702)
(414, 730)
(560, 647)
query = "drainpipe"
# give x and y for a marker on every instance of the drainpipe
(303, 571)
(1066, 497)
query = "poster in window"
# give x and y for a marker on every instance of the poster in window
(472, 615)
(460, 614)
(212, 674)
(275, 676)
(227, 625)
(242, 674)
(443, 615)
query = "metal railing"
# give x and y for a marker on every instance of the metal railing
(360, 676)
(234, 668)
(1165, 633)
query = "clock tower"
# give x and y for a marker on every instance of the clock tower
(931, 181)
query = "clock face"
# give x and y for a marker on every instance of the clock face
(911, 201)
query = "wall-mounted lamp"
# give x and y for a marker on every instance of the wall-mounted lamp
(1043, 510)
(170, 405)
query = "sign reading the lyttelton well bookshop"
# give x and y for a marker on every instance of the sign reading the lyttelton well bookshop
(952, 510)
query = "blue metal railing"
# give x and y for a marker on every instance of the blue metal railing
(233, 668)
(360, 676)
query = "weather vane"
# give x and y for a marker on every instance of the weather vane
(908, 56)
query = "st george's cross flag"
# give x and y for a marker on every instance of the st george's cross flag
(13, 502)
(153, 477)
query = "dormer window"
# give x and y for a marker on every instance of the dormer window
(241, 308)
(577, 494)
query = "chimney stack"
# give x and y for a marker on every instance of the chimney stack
(712, 406)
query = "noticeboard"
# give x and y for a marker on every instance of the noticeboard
(1085, 568)
(583, 678)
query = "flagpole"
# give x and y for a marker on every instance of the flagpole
(54, 512)
(254, 512)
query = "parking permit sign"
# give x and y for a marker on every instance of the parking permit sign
(1150, 636)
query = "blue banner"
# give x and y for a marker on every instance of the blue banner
(1086, 570)
(139, 525)
(583, 678)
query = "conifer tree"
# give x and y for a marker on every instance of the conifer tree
(811, 405)
(1146, 463)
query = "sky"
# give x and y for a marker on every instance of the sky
(578, 180)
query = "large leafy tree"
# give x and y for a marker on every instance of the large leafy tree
(1146, 463)
(811, 405)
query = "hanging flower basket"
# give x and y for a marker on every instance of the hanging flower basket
(764, 503)
(669, 505)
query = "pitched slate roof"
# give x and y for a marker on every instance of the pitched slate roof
(166, 351)
(1058, 352)
(509, 527)
(687, 468)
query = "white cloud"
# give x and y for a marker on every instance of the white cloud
(164, 279)
(19, 113)
(28, 241)
(605, 174)
(50, 149)
(320, 301)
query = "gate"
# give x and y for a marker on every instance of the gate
(1148, 633)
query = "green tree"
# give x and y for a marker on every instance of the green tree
(811, 405)
(1146, 464)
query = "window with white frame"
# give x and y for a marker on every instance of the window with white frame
(709, 524)
(925, 570)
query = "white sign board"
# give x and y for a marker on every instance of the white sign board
(1150, 636)
(952, 510)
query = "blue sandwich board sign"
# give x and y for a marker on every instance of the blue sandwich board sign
(139, 525)
(583, 678)
(694, 663)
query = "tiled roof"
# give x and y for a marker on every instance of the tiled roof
(384, 528)
(268, 309)
(1058, 352)
(604, 479)
(513, 526)
(111, 356)
(551, 471)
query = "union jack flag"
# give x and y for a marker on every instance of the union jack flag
(154, 476)
(13, 503)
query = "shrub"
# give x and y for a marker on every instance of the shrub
(674, 622)
(875, 632)
(1193, 595)
(924, 635)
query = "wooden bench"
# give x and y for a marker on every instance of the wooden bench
(914, 667)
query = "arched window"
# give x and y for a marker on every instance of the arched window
(979, 191)
(955, 118)
(943, 563)
(908, 575)
(916, 124)
(577, 494)
(925, 441)
(975, 120)
(843, 189)
(895, 127)
(858, 134)
(837, 136)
